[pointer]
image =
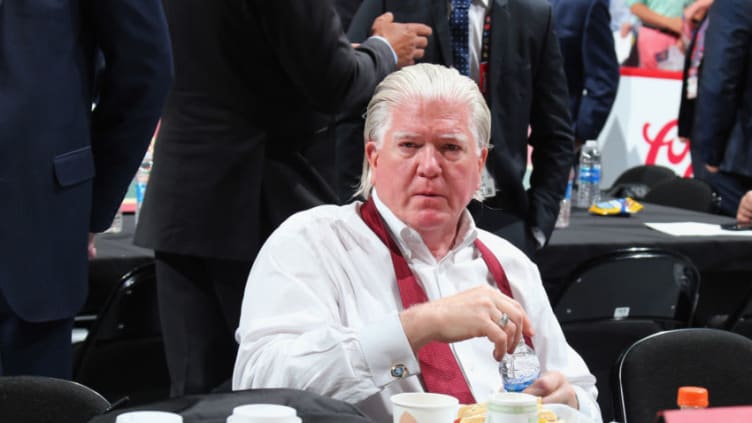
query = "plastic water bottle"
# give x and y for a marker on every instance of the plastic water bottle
(589, 179)
(142, 179)
(565, 207)
(519, 369)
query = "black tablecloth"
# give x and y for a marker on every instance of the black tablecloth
(214, 408)
(725, 263)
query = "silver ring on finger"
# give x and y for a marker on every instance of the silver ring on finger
(503, 320)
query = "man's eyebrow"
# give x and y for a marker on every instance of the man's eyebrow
(405, 134)
(451, 136)
(455, 136)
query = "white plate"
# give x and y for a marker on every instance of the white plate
(567, 413)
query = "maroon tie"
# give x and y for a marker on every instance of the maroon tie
(438, 366)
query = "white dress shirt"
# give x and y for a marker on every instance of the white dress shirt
(320, 311)
(476, 16)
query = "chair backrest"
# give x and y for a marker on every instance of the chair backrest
(650, 372)
(617, 298)
(648, 283)
(37, 399)
(123, 355)
(637, 181)
(685, 193)
(740, 319)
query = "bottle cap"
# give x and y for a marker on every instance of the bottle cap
(692, 396)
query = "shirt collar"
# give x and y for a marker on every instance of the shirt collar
(409, 240)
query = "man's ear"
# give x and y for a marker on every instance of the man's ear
(372, 154)
(482, 159)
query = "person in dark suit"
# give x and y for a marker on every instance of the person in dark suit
(723, 126)
(525, 87)
(696, 25)
(256, 81)
(587, 45)
(64, 168)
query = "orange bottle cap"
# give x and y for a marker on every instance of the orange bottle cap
(692, 396)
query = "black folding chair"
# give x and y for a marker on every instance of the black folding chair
(684, 193)
(123, 355)
(615, 299)
(637, 181)
(37, 399)
(650, 371)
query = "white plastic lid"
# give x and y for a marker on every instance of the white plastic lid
(264, 410)
(149, 417)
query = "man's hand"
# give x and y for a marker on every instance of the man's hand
(711, 169)
(674, 25)
(409, 40)
(91, 248)
(469, 314)
(744, 214)
(554, 387)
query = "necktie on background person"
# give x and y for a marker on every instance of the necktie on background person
(459, 30)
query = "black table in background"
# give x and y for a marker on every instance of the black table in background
(725, 263)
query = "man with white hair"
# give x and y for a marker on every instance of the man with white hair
(403, 293)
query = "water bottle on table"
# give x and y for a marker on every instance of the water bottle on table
(589, 178)
(142, 179)
(565, 207)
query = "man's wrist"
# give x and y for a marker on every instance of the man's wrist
(385, 41)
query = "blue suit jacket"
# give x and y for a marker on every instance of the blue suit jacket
(587, 45)
(723, 123)
(65, 168)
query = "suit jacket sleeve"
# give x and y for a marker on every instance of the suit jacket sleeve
(132, 36)
(360, 26)
(601, 72)
(551, 136)
(318, 57)
(724, 65)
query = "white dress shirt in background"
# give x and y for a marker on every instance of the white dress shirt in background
(320, 311)
(476, 16)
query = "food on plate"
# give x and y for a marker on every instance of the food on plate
(548, 416)
(476, 413)
(472, 413)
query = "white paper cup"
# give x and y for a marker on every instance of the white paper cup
(421, 407)
(149, 417)
(263, 413)
(247, 419)
(512, 407)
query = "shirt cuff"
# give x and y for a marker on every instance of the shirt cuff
(384, 40)
(385, 347)
(587, 404)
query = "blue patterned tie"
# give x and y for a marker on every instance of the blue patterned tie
(459, 27)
